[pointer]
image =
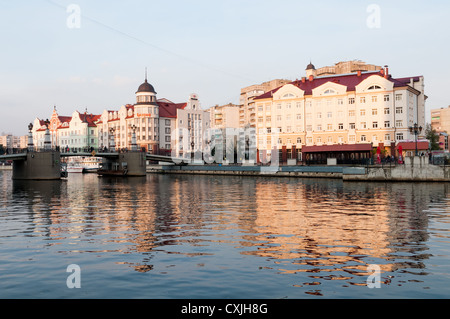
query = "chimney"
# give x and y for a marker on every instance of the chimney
(358, 73)
(311, 77)
(386, 71)
(303, 79)
(382, 71)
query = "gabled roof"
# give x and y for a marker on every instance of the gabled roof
(170, 109)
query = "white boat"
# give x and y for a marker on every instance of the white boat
(83, 164)
(74, 168)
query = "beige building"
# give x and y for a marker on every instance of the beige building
(344, 67)
(440, 119)
(225, 116)
(247, 113)
(357, 108)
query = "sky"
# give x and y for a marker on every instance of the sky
(95, 57)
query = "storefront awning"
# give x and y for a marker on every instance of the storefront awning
(337, 148)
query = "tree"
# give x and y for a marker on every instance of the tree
(433, 137)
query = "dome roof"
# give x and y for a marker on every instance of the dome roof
(146, 87)
(310, 66)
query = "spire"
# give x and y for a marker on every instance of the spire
(145, 74)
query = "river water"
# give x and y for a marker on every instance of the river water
(184, 236)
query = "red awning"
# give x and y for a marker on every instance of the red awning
(337, 148)
(423, 145)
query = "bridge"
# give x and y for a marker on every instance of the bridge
(48, 164)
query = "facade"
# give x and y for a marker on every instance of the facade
(152, 120)
(440, 119)
(247, 111)
(191, 127)
(356, 108)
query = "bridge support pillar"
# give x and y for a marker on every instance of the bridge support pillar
(38, 165)
(125, 164)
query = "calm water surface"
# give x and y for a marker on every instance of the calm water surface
(167, 236)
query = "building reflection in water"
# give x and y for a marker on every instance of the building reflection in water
(327, 229)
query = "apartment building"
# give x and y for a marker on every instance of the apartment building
(368, 107)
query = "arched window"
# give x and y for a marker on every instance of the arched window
(329, 91)
(374, 87)
(288, 95)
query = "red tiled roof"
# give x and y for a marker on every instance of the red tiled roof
(421, 145)
(337, 148)
(348, 80)
(170, 109)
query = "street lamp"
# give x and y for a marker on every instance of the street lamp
(415, 129)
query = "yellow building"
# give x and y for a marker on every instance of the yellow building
(368, 107)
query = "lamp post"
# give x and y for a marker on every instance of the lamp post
(133, 139)
(30, 137)
(112, 146)
(415, 129)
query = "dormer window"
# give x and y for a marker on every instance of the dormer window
(287, 96)
(374, 87)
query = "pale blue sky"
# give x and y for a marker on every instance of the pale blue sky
(212, 48)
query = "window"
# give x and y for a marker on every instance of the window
(374, 138)
(299, 116)
(330, 114)
(363, 124)
(375, 124)
(288, 95)
(298, 105)
(289, 129)
(299, 140)
(386, 110)
(319, 139)
(399, 110)
(362, 99)
(260, 108)
(268, 118)
(309, 128)
(288, 105)
(288, 117)
(288, 141)
(340, 102)
(398, 97)
(260, 119)
(351, 138)
(309, 140)
(363, 138)
(167, 122)
(374, 87)
(352, 126)
(398, 123)
(319, 127)
(387, 137)
(167, 130)
(399, 136)
(374, 111)
(329, 127)
(279, 106)
(362, 112)
(330, 139)
(319, 115)
(374, 98)
(341, 126)
(269, 130)
(351, 113)
(386, 97)
(329, 91)
(340, 139)
(387, 124)
(278, 117)
(351, 100)
(167, 138)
